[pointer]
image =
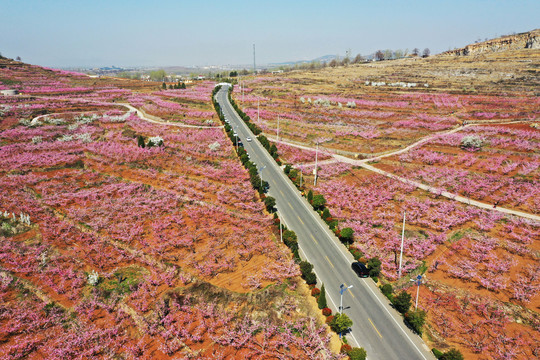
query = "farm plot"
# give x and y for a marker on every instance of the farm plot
(482, 292)
(497, 164)
(122, 238)
(363, 120)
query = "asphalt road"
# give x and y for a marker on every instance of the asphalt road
(377, 327)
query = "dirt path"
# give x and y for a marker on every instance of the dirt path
(140, 113)
(156, 120)
(364, 164)
(451, 196)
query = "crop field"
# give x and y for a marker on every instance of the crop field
(475, 136)
(358, 117)
(125, 238)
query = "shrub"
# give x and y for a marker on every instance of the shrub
(329, 319)
(307, 272)
(306, 267)
(273, 151)
(315, 292)
(293, 174)
(270, 202)
(290, 239)
(311, 279)
(357, 254)
(318, 202)
(321, 301)
(452, 354)
(310, 196)
(345, 348)
(140, 141)
(374, 267)
(416, 319)
(402, 302)
(326, 214)
(327, 311)
(287, 169)
(340, 323)
(387, 290)
(437, 353)
(346, 235)
(357, 354)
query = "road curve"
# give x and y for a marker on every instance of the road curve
(377, 326)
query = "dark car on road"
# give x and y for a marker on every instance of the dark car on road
(360, 269)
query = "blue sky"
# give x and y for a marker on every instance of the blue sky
(63, 33)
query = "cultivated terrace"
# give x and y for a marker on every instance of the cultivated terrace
(131, 238)
(466, 128)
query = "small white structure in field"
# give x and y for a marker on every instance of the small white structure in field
(9, 92)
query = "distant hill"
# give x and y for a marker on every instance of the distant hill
(325, 58)
(526, 40)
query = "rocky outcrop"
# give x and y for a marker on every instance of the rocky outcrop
(527, 40)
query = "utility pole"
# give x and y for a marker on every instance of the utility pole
(254, 67)
(315, 170)
(402, 239)
(278, 128)
(342, 289)
(418, 282)
(281, 236)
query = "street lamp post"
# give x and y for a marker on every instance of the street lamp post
(260, 171)
(236, 137)
(342, 289)
(418, 282)
(402, 239)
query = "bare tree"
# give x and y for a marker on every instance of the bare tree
(426, 52)
(333, 63)
(18, 58)
(358, 59)
(379, 55)
(388, 54)
(416, 52)
(347, 60)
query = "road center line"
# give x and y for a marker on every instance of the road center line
(327, 259)
(300, 219)
(372, 324)
(393, 318)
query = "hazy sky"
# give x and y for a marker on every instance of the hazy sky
(61, 33)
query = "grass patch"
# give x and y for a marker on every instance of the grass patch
(123, 281)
